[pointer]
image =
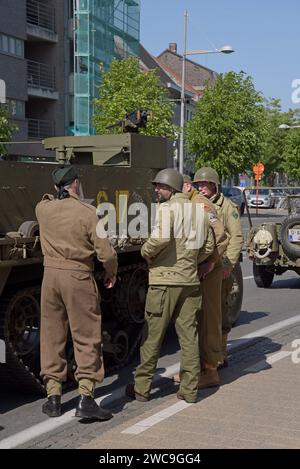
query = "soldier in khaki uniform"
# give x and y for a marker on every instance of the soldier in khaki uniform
(69, 293)
(174, 291)
(208, 184)
(210, 273)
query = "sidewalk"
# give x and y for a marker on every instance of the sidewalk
(257, 406)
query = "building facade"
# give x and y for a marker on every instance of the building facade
(49, 59)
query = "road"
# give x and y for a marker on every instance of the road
(269, 313)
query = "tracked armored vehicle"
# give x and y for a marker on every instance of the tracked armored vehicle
(111, 168)
(274, 248)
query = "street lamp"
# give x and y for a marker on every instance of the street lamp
(286, 126)
(223, 50)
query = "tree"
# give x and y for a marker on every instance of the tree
(125, 88)
(6, 129)
(275, 139)
(291, 153)
(229, 127)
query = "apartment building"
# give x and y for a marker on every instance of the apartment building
(49, 59)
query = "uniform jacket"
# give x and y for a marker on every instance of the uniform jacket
(216, 224)
(68, 235)
(229, 214)
(171, 261)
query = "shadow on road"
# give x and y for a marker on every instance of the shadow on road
(246, 317)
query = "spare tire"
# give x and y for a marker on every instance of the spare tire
(290, 248)
(262, 276)
(29, 229)
(235, 298)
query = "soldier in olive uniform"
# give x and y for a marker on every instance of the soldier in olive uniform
(174, 291)
(208, 183)
(209, 326)
(69, 293)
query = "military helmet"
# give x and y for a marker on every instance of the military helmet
(64, 175)
(171, 177)
(187, 178)
(207, 174)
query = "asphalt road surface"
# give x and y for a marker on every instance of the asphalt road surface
(265, 312)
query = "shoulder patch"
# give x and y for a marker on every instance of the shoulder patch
(212, 217)
(235, 214)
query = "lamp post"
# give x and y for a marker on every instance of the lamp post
(223, 50)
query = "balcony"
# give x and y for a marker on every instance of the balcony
(40, 20)
(41, 80)
(39, 129)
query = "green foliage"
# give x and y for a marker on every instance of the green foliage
(291, 153)
(275, 139)
(6, 129)
(229, 128)
(125, 88)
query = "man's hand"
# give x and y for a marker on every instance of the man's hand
(204, 269)
(109, 282)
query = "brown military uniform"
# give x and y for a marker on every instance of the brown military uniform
(69, 292)
(210, 318)
(229, 214)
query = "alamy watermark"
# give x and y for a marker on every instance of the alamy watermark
(165, 221)
(296, 353)
(296, 93)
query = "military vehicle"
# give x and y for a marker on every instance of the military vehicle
(111, 168)
(274, 248)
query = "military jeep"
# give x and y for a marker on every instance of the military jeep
(274, 248)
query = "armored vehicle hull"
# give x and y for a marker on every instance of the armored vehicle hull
(111, 169)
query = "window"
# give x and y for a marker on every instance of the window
(11, 45)
(16, 108)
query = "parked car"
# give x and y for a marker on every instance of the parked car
(236, 196)
(279, 194)
(265, 198)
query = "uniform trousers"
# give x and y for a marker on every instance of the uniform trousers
(210, 318)
(226, 323)
(70, 298)
(163, 304)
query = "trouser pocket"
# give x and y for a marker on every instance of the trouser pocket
(155, 300)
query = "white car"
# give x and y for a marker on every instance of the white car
(265, 198)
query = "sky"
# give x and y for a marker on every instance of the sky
(265, 35)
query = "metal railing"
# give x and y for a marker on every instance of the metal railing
(40, 75)
(40, 15)
(40, 129)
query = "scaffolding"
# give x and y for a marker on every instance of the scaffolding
(104, 30)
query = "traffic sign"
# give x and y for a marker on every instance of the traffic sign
(258, 168)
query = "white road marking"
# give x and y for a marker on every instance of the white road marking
(46, 426)
(262, 364)
(247, 278)
(145, 424)
(263, 332)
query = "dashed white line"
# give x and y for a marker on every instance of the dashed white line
(145, 424)
(262, 364)
(49, 425)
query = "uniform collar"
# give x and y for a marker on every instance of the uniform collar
(75, 196)
(179, 195)
(192, 193)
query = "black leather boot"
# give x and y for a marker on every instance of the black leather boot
(52, 407)
(87, 408)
